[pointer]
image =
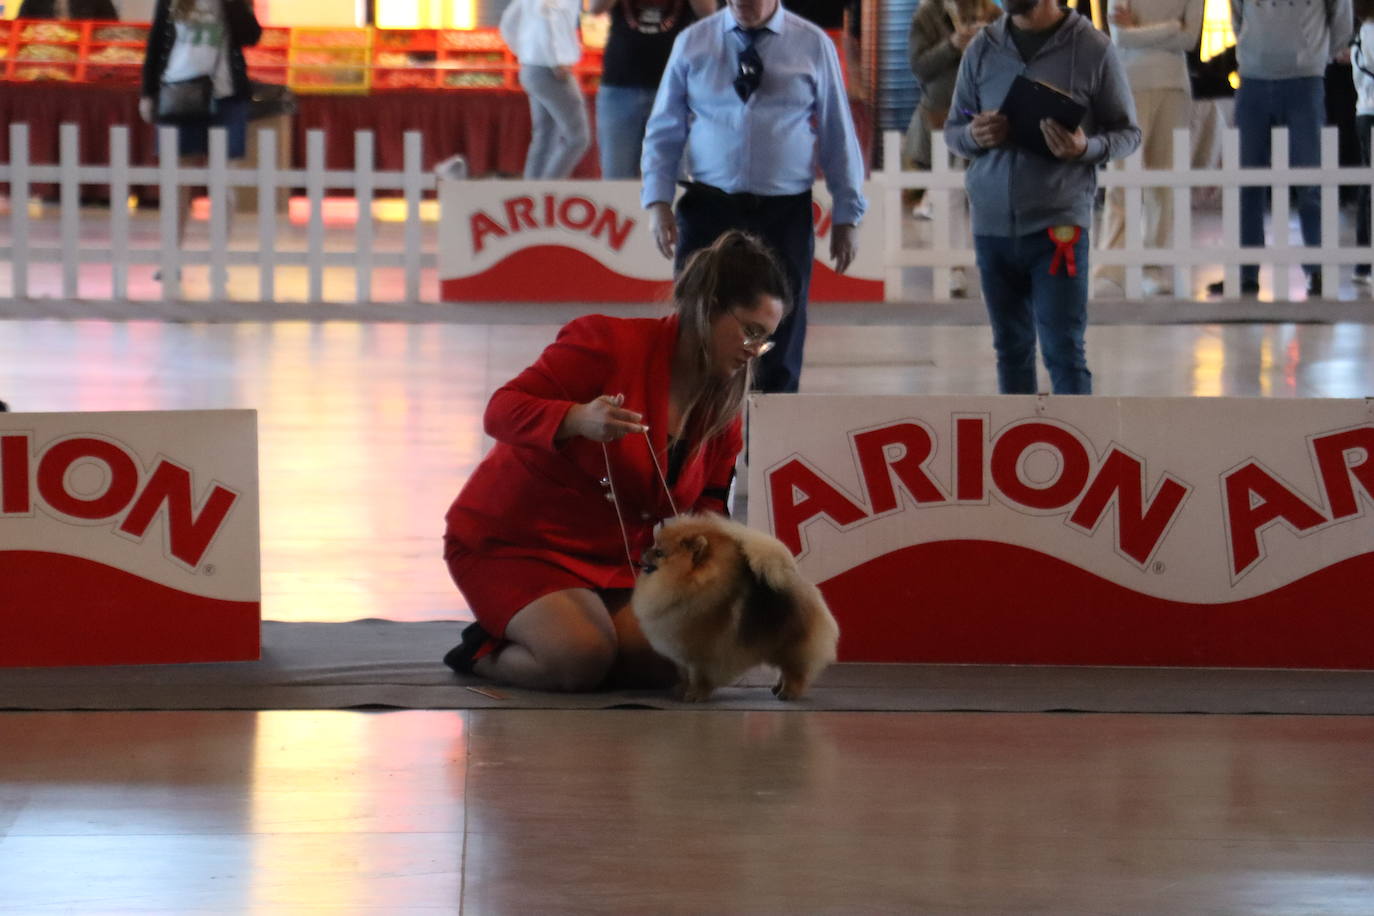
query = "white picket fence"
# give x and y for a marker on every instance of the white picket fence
(218, 178)
(946, 187)
(944, 183)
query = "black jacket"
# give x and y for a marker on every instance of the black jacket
(243, 30)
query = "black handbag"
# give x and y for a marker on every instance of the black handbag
(186, 100)
(269, 100)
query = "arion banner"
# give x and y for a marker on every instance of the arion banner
(129, 538)
(1078, 531)
(590, 241)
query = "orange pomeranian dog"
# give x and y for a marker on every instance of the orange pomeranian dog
(717, 599)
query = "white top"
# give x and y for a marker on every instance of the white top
(1153, 52)
(1362, 69)
(543, 33)
(201, 48)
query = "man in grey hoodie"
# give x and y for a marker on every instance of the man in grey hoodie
(1282, 49)
(1031, 213)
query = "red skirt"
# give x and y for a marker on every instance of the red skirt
(497, 588)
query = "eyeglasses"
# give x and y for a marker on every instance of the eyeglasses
(755, 338)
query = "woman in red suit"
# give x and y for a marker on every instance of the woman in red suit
(621, 422)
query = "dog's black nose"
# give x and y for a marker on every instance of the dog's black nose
(647, 568)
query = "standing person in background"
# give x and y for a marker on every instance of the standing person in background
(940, 31)
(637, 48)
(1153, 38)
(190, 39)
(543, 36)
(1362, 72)
(1031, 213)
(1282, 50)
(754, 99)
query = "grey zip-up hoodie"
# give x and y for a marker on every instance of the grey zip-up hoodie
(1015, 192)
(1297, 38)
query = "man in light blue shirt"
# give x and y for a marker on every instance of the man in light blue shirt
(752, 102)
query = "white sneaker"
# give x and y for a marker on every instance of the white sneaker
(923, 211)
(958, 282)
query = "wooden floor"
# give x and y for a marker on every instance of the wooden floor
(367, 431)
(695, 812)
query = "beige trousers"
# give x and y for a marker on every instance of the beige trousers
(1158, 112)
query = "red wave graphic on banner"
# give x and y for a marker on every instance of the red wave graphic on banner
(64, 610)
(551, 273)
(979, 602)
(828, 286)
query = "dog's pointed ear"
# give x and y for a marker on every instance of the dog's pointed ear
(700, 546)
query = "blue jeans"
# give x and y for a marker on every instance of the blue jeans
(193, 138)
(559, 135)
(622, 112)
(1026, 301)
(1300, 105)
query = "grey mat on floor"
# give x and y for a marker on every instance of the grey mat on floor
(387, 663)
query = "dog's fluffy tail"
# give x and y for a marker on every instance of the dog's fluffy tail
(768, 558)
(772, 563)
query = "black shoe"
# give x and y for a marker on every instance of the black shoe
(4, 407)
(462, 656)
(1247, 288)
(1314, 286)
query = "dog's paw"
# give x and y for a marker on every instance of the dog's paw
(696, 695)
(786, 689)
(692, 690)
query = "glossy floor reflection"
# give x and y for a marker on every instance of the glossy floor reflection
(689, 812)
(367, 431)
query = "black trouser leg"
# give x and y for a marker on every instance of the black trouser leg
(785, 224)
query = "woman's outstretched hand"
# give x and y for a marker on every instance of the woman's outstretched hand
(601, 420)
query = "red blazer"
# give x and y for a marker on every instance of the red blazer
(532, 497)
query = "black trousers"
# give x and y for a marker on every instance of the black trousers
(785, 224)
(1363, 125)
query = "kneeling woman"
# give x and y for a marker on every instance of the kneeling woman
(620, 423)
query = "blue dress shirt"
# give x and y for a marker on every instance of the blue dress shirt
(772, 144)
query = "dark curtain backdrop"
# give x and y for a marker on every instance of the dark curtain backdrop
(490, 128)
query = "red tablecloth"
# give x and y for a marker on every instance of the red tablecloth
(489, 127)
(44, 106)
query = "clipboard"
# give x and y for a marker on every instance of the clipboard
(1028, 102)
